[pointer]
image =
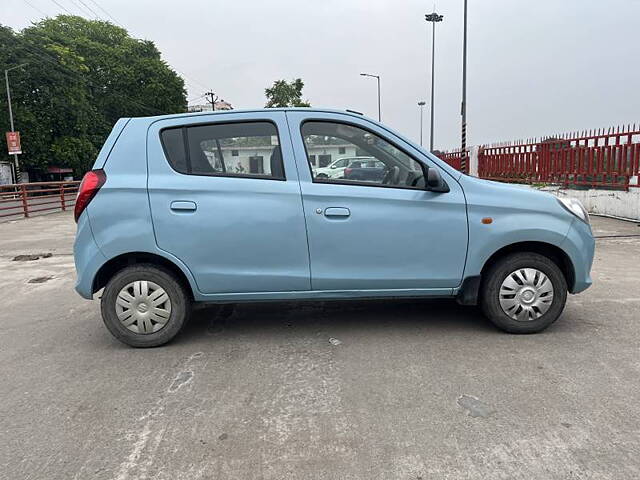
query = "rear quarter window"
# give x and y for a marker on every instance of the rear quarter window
(173, 143)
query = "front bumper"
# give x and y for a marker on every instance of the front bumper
(580, 246)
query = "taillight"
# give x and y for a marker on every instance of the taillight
(347, 171)
(91, 183)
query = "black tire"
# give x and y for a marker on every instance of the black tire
(180, 305)
(498, 272)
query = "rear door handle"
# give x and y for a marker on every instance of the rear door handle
(183, 206)
(336, 212)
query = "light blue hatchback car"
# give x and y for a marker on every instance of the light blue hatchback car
(224, 207)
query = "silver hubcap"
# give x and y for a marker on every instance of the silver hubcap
(143, 307)
(526, 294)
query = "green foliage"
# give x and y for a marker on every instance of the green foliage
(285, 94)
(81, 77)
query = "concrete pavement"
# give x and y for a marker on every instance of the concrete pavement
(345, 390)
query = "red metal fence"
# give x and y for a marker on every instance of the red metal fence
(453, 158)
(26, 199)
(600, 158)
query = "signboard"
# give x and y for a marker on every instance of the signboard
(13, 142)
(6, 174)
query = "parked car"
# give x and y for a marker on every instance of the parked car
(371, 170)
(223, 208)
(336, 168)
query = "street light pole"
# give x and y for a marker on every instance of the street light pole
(377, 77)
(421, 104)
(433, 18)
(6, 81)
(463, 161)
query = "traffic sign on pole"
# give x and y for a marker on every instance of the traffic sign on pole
(13, 142)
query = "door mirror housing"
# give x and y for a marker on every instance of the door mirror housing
(435, 182)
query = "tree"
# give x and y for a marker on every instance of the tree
(285, 94)
(81, 77)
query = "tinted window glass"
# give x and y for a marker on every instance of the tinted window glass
(233, 149)
(173, 142)
(381, 164)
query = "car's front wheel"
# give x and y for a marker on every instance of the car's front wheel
(143, 305)
(523, 293)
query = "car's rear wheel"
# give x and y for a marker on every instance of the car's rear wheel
(523, 293)
(144, 306)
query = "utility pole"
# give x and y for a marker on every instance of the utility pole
(421, 104)
(377, 77)
(6, 81)
(433, 18)
(213, 98)
(463, 159)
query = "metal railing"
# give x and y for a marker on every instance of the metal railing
(598, 158)
(453, 158)
(27, 199)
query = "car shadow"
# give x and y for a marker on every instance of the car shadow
(273, 318)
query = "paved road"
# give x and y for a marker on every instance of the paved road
(405, 390)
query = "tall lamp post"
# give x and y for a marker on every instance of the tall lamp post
(421, 104)
(377, 77)
(433, 18)
(6, 81)
(463, 161)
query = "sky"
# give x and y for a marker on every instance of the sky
(535, 67)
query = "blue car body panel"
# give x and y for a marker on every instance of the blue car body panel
(580, 245)
(109, 143)
(392, 238)
(246, 235)
(245, 239)
(119, 215)
(87, 257)
(518, 215)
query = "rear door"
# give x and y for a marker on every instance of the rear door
(225, 199)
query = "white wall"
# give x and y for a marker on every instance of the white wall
(605, 202)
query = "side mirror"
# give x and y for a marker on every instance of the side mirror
(435, 182)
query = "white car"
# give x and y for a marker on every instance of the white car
(336, 168)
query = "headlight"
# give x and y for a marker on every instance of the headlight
(575, 206)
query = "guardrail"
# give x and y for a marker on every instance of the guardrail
(454, 158)
(603, 158)
(607, 158)
(26, 199)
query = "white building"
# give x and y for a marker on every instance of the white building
(323, 155)
(242, 159)
(206, 107)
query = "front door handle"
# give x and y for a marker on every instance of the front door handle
(336, 212)
(183, 206)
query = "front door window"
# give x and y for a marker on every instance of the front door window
(383, 164)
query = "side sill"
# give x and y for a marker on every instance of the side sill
(324, 295)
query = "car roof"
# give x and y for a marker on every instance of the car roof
(349, 113)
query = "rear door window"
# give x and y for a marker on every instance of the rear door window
(243, 149)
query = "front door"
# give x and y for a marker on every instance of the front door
(377, 230)
(225, 199)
